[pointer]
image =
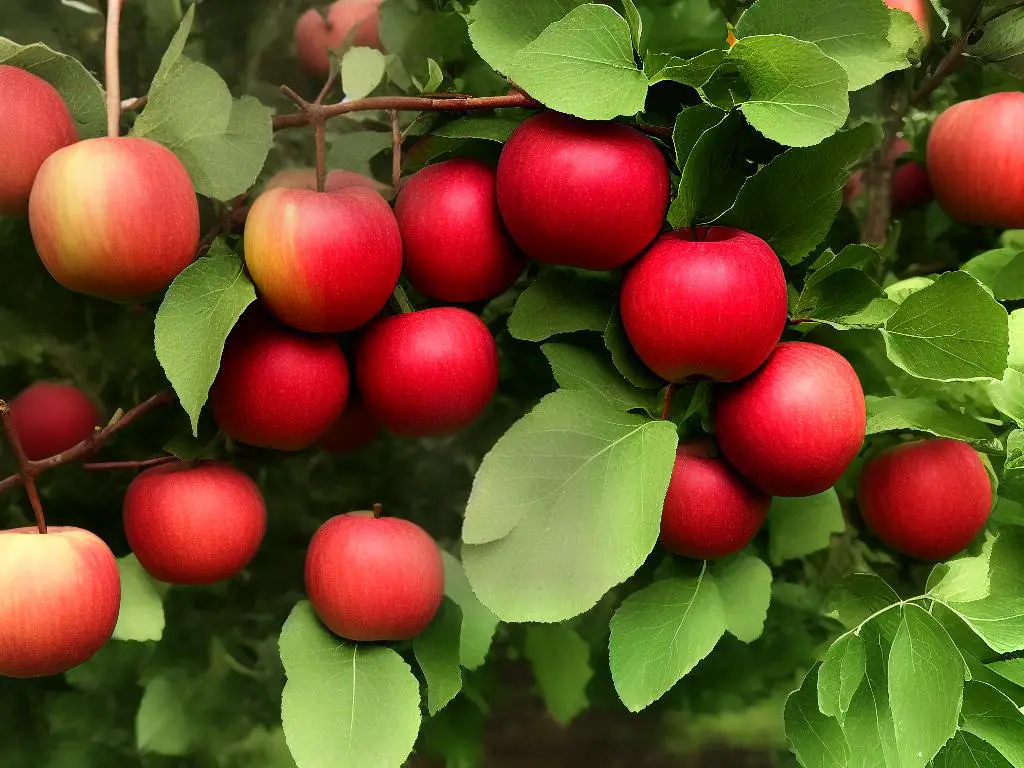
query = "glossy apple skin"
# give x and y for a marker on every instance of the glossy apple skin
(305, 178)
(928, 499)
(975, 161)
(315, 35)
(60, 594)
(51, 418)
(277, 388)
(114, 218)
(194, 525)
(374, 579)
(582, 194)
(714, 306)
(34, 123)
(323, 262)
(793, 427)
(455, 245)
(916, 8)
(424, 373)
(352, 430)
(710, 511)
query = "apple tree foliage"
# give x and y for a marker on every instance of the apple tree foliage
(548, 509)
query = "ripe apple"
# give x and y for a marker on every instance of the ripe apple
(427, 373)
(795, 425)
(580, 193)
(324, 262)
(60, 594)
(916, 8)
(975, 161)
(194, 524)
(928, 499)
(709, 302)
(352, 430)
(51, 418)
(710, 511)
(305, 178)
(374, 579)
(455, 246)
(911, 187)
(277, 388)
(34, 123)
(355, 20)
(115, 218)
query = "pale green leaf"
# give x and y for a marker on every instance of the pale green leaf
(636, 24)
(693, 72)
(801, 525)
(965, 750)
(141, 617)
(478, 623)
(898, 414)
(840, 675)
(816, 739)
(1007, 395)
(162, 723)
(868, 723)
(585, 371)
(560, 659)
(361, 71)
(437, 653)
(500, 29)
(745, 586)
(964, 579)
(1001, 271)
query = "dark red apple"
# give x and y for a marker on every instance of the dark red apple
(34, 123)
(374, 579)
(579, 193)
(795, 425)
(455, 246)
(60, 594)
(51, 418)
(324, 262)
(976, 162)
(194, 524)
(352, 430)
(277, 388)
(928, 499)
(427, 373)
(356, 21)
(911, 187)
(710, 511)
(709, 303)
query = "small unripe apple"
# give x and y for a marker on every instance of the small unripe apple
(51, 418)
(427, 373)
(34, 123)
(916, 8)
(455, 246)
(928, 499)
(194, 524)
(357, 21)
(580, 193)
(277, 388)
(352, 430)
(374, 579)
(710, 511)
(60, 594)
(709, 302)
(324, 262)
(115, 218)
(793, 427)
(976, 162)
(338, 179)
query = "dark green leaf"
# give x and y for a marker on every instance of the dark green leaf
(991, 716)
(585, 371)
(897, 414)
(1003, 42)
(712, 171)
(561, 301)
(840, 675)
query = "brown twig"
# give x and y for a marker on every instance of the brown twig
(666, 406)
(25, 473)
(952, 61)
(396, 149)
(102, 466)
(113, 72)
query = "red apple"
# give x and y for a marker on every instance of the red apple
(708, 303)
(305, 178)
(911, 187)
(194, 524)
(427, 373)
(374, 579)
(916, 8)
(51, 418)
(115, 218)
(356, 21)
(795, 425)
(277, 388)
(582, 194)
(976, 161)
(928, 499)
(352, 430)
(324, 262)
(60, 594)
(710, 511)
(455, 245)
(34, 123)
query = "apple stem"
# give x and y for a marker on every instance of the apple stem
(320, 143)
(113, 76)
(378, 510)
(666, 406)
(26, 470)
(401, 300)
(396, 150)
(101, 466)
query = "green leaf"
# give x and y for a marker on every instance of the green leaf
(926, 685)
(840, 675)
(816, 739)
(1003, 42)
(198, 312)
(798, 526)
(853, 32)
(859, 597)
(353, 150)
(712, 171)
(561, 301)
(583, 65)
(898, 414)
(361, 71)
(625, 358)
(792, 201)
(490, 128)
(345, 705)
(478, 623)
(745, 586)
(1011, 669)
(868, 723)
(694, 72)
(77, 87)
(500, 29)
(855, 256)
(162, 724)
(660, 633)
(565, 506)
(845, 299)
(437, 653)
(560, 659)
(1007, 395)
(585, 371)
(141, 617)
(798, 95)
(991, 716)
(964, 579)
(965, 750)
(1001, 271)
(636, 24)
